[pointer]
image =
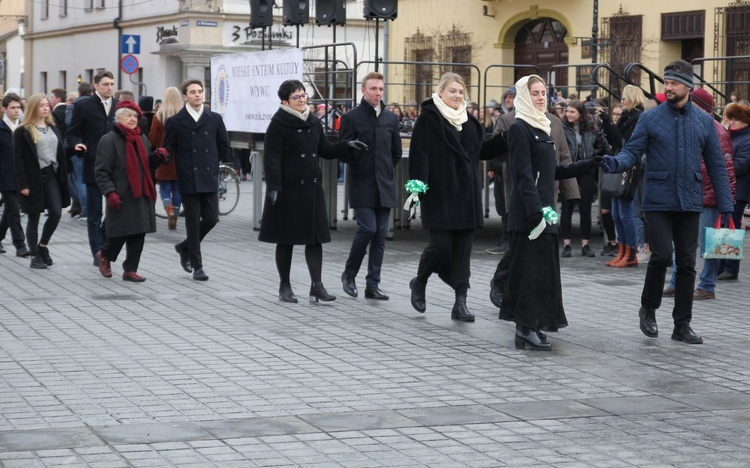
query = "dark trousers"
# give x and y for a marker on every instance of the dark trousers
(587, 185)
(53, 204)
(12, 219)
(201, 215)
(449, 255)
(733, 266)
(113, 246)
(94, 221)
(372, 227)
(498, 191)
(313, 257)
(666, 228)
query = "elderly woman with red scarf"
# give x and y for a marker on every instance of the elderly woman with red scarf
(124, 174)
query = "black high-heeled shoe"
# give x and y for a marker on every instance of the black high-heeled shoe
(318, 293)
(286, 294)
(526, 337)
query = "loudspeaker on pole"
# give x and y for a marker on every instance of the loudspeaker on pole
(261, 13)
(296, 12)
(382, 9)
(330, 12)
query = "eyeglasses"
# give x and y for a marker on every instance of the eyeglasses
(297, 97)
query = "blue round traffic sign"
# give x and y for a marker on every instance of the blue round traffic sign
(129, 64)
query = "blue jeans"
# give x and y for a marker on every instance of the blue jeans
(80, 186)
(622, 213)
(372, 227)
(710, 271)
(170, 194)
(94, 222)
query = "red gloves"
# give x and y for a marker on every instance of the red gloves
(113, 201)
(161, 154)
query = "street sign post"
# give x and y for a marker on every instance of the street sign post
(129, 64)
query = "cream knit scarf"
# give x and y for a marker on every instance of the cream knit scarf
(302, 116)
(525, 109)
(455, 117)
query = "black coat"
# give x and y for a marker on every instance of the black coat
(197, 149)
(88, 125)
(371, 179)
(534, 169)
(7, 159)
(447, 160)
(29, 175)
(292, 147)
(136, 215)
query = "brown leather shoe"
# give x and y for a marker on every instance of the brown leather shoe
(701, 295)
(105, 267)
(668, 292)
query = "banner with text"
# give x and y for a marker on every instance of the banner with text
(245, 86)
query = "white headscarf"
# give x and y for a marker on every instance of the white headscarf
(525, 109)
(455, 117)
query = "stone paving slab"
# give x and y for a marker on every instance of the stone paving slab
(171, 372)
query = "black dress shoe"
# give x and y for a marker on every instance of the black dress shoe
(418, 300)
(460, 311)
(200, 275)
(648, 322)
(23, 252)
(44, 253)
(686, 334)
(286, 294)
(37, 263)
(496, 295)
(375, 293)
(2, 249)
(528, 338)
(184, 258)
(318, 293)
(350, 287)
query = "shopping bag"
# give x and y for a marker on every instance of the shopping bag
(724, 243)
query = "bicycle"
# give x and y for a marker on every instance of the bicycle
(229, 192)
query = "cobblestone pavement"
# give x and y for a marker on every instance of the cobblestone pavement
(172, 372)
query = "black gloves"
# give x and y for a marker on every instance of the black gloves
(597, 161)
(271, 196)
(609, 164)
(356, 145)
(535, 218)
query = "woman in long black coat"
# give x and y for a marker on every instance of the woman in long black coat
(446, 146)
(294, 212)
(41, 176)
(124, 174)
(533, 293)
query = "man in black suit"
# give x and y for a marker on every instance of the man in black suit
(92, 119)
(198, 140)
(372, 183)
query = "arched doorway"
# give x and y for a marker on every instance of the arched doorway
(542, 42)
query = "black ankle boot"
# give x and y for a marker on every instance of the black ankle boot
(496, 295)
(460, 311)
(44, 253)
(286, 294)
(318, 293)
(418, 300)
(528, 338)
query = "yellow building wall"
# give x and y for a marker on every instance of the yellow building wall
(493, 37)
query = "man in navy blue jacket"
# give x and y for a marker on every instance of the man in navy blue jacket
(372, 182)
(198, 141)
(674, 136)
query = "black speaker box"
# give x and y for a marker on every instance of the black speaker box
(296, 12)
(330, 12)
(383, 9)
(261, 13)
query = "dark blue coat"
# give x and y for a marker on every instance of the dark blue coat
(674, 140)
(741, 147)
(371, 179)
(197, 149)
(88, 125)
(7, 161)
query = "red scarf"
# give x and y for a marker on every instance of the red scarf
(136, 163)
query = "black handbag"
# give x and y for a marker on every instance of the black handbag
(619, 184)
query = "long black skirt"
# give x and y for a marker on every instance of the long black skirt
(533, 292)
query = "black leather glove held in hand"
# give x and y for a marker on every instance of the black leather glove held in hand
(356, 145)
